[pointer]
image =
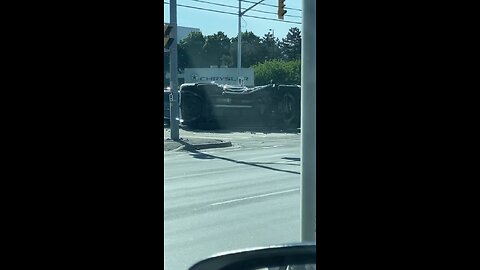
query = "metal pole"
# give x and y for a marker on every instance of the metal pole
(174, 110)
(239, 42)
(273, 47)
(308, 122)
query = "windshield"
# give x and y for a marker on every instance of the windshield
(232, 133)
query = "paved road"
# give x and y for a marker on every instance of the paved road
(230, 198)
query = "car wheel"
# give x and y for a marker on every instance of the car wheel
(290, 110)
(192, 109)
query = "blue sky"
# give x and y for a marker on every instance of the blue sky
(211, 22)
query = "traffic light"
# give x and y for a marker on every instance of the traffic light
(167, 41)
(281, 9)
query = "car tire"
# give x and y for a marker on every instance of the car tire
(289, 110)
(193, 109)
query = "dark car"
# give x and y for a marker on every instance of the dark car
(166, 105)
(215, 105)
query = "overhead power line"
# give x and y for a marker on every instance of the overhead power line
(231, 13)
(270, 5)
(274, 13)
(236, 7)
(212, 3)
(205, 9)
(271, 19)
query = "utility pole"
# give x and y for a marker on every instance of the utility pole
(273, 37)
(308, 122)
(239, 42)
(239, 39)
(174, 110)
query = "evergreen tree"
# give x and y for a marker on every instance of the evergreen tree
(252, 50)
(291, 45)
(217, 49)
(190, 51)
(270, 47)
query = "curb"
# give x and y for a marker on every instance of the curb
(207, 146)
(190, 147)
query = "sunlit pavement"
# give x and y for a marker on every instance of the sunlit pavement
(230, 198)
(238, 135)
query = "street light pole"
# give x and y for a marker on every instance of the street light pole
(273, 47)
(239, 39)
(239, 42)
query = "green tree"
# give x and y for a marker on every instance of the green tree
(226, 60)
(270, 47)
(252, 50)
(190, 51)
(216, 47)
(277, 71)
(291, 45)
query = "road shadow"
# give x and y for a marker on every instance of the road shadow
(291, 159)
(199, 155)
(275, 163)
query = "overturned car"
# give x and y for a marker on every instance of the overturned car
(216, 106)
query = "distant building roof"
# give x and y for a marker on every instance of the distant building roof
(183, 32)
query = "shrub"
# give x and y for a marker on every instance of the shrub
(278, 71)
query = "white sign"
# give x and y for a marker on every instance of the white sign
(241, 81)
(220, 76)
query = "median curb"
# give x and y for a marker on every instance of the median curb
(190, 144)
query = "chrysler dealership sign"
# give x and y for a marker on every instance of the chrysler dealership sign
(219, 75)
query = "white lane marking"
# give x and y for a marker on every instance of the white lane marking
(236, 148)
(231, 150)
(254, 197)
(187, 176)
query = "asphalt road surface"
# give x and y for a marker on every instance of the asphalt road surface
(243, 196)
